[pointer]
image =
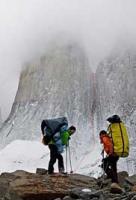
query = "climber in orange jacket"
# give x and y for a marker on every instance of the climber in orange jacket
(110, 161)
(107, 142)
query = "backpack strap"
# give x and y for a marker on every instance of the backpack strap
(111, 136)
(43, 124)
(122, 137)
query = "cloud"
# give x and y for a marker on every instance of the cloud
(27, 26)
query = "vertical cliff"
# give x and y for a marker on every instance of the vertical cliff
(116, 93)
(58, 84)
(61, 83)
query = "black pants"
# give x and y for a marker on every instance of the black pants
(110, 167)
(53, 156)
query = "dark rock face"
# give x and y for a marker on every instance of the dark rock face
(22, 185)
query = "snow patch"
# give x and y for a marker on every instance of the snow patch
(86, 190)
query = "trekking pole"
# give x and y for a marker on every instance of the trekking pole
(66, 160)
(70, 161)
(104, 168)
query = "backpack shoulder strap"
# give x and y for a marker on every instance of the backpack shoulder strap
(109, 131)
(110, 135)
(121, 137)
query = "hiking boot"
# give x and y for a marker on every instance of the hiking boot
(61, 170)
(50, 172)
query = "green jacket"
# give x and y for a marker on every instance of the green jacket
(64, 136)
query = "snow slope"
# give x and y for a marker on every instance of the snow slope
(29, 155)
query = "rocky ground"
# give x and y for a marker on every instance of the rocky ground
(22, 185)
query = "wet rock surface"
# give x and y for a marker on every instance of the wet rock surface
(22, 185)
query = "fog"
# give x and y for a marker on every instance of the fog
(27, 26)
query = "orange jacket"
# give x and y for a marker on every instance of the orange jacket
(107, 143)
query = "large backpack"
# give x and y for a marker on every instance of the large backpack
(119, 135)
(50, 127)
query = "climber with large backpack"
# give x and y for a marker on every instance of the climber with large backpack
(56, 135)
(117, 146)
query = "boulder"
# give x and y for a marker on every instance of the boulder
(131, 180)
(115, 188)
(22, 185)
(122, 176)
(41, 171)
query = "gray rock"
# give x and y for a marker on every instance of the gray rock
(79, 193)
(98, 193)
(12, 195)
(134, 198)
(75, 193)
(121, 177)
(41, 171)
(131, 180)
(67, 198)
(102, 197)
(130, 195)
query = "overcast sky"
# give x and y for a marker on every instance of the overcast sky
(27, 25)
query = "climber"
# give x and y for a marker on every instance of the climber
(116, 144)
(56, 147)
(58, 141)
(109, 163)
